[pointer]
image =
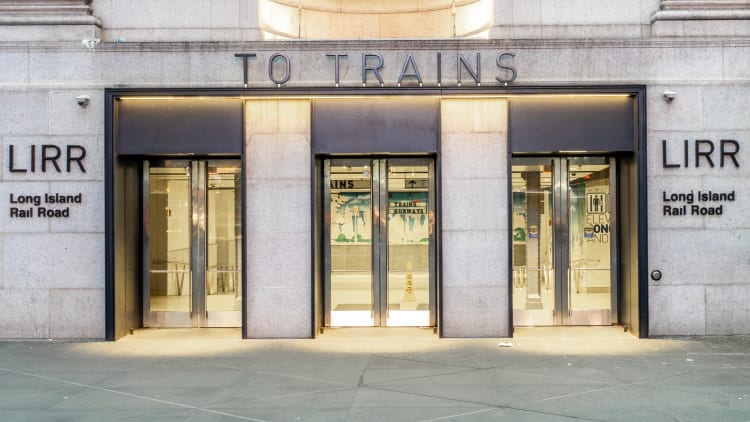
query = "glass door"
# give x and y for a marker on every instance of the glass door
(564, 246)
(192, 244)
(380, 242)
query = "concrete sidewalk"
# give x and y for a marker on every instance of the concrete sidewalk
(378, 374)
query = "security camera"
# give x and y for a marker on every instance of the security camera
(83, 100)
(669, 96)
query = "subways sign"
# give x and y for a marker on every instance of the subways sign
(372, 69)
(700, 153)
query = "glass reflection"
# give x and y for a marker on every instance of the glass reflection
(561, 208)
(409, 232)
(533, 259)
(590, 252)
(169, 245)
(224, 238)
(351, 245)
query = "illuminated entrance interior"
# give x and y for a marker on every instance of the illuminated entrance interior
(380, 242)
(347, 19)
(192, 244)
(564, 246)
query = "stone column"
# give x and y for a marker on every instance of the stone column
(474, 223)
(279, 272)
(679, 18)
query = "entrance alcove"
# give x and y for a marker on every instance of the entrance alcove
(359, 19)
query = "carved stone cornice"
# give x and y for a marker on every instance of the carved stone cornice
(702, 10)
(50, 12)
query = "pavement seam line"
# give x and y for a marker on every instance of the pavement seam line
(421, 377)
(543, 376)
(649, 398)
(496, 406)
(261, 371)
(459, 415)
(429, 362)
(596, 390)
(580, 393)
(107, 390)
(357, 388)
(286, 396)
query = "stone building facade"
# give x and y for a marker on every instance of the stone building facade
(459, 118)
